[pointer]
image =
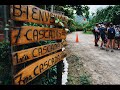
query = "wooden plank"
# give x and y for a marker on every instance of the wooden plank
(30, 13)
(30, 34)
(32, 53)
(32, 71)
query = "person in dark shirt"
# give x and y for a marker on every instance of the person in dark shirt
(111, 37)
(102, 35)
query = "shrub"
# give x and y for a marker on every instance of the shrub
(5, 63)
(72, 29)
(85, 80)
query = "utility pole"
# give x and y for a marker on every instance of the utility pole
(45, 7)
(6, 24)
(52, 12)
(52, 8)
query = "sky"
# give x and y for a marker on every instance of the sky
(93, 8)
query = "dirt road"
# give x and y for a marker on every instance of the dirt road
(103, 66)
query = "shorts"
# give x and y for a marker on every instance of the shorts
(103, 38)
(97, 35)
(117, 38)
(111, 37)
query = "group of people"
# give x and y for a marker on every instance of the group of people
(109, 34)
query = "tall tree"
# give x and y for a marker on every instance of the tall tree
(108, 14)
(69, 9)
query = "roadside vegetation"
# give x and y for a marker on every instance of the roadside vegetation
(106, 15)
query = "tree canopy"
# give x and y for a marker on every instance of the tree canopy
(69, 9)
(108, 14)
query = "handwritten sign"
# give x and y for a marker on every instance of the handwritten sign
(29, 34)
(32, 53)
(30, 13)
(32, 71)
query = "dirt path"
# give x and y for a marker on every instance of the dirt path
(103, 66)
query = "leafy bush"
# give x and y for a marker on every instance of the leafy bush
(79, 27)
(72, 29)
(74, 26)
(85, 80)
(4, 50)
(5, 63)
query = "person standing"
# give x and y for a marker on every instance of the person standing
(96, 34)
(117, 36)
(111, 37)
(102, 35)
(106, 36)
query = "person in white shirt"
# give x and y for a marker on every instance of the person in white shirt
(117, 36)
(97, 34)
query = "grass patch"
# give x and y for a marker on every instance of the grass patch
(88, 32)
(85, 79)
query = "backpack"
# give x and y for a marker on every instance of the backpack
(117, 33)
(111, 31)
(102, 31)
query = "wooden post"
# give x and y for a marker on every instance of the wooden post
(11, 25)
(59, 73)
(12, 67)
(59, 70)
(5, 20)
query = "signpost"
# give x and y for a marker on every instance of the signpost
(29, 34)
(32, 53)
(43, 57)
(32, 71)
(30, 13)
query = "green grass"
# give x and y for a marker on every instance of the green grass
(85, 79)
(88, 32)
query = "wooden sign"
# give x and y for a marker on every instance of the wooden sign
(32, 53)
(32, 71)
(30, 13)
(30, 34)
